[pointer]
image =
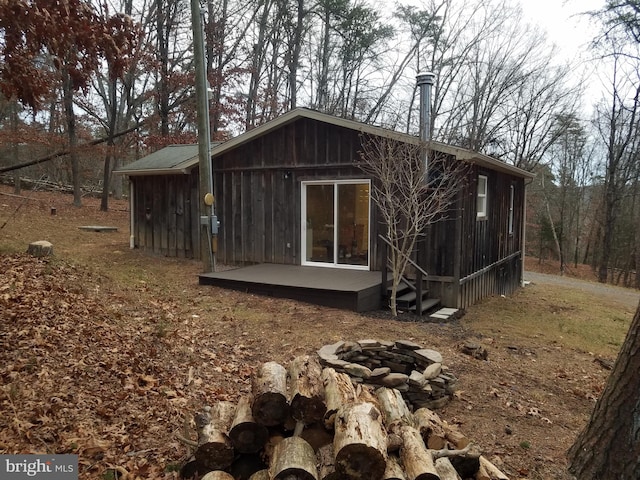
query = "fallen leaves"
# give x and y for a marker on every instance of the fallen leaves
(86, 371)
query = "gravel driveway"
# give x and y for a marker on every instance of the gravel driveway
(625, 296)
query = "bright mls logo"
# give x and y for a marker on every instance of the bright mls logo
(50, 467)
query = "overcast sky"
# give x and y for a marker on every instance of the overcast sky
(563, 22)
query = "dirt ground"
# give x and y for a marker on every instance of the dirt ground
(107, 352)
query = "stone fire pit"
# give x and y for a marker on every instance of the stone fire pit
(417, 372)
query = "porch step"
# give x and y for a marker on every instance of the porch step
(403, 288)
(427, 304)
(406, 300)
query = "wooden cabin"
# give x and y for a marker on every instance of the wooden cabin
(294, 205)
(290, 192)
(164, 202)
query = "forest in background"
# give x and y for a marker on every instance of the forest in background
(74, 71)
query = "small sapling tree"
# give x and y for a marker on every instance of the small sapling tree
(409, 195)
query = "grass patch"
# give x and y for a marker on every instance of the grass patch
(564, 316)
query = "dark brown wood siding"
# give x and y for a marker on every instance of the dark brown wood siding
(165, 213)
(490, 255)
(258, 189)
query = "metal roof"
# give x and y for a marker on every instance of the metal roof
(173, 159)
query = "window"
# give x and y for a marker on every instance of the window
(482, 196)
(511, 194)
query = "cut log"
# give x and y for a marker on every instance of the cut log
(338, 391)
(465, 461)
(394, 442)
(317, 436)
(247, 435)
(260, 475)
(218, 475)
(307, 399)
(431, 428)
(360, 442)
(493, 471)
(482, 474)
(326, 463)
(41, 248)
(445, 469)
(417, 460)
(214, 450)
(395, 412)
(455, 436)
(394, 470)
(245, 465)
(293, 459)
(270, 407)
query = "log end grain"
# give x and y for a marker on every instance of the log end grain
(249, 437)
(359, 461)
(270, 409)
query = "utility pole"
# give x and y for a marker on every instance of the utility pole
(204, 139)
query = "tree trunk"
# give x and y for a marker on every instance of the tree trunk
(70, 116)
(609, 447)
(111, 130)
(17, 187)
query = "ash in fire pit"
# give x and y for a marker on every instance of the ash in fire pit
(417, 372)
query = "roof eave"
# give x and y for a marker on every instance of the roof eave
(157, 171)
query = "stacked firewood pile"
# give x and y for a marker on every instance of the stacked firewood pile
(315, 423)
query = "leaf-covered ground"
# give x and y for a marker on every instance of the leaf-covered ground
(107, 353)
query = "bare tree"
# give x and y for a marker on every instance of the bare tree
(407, 197)
(619, 131)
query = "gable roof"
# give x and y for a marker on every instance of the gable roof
(293, 115)
(173, 159)
(180, 159)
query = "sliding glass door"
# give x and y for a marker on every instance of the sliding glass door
(335, 219)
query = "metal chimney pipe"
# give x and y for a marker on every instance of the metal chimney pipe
(425, 82)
